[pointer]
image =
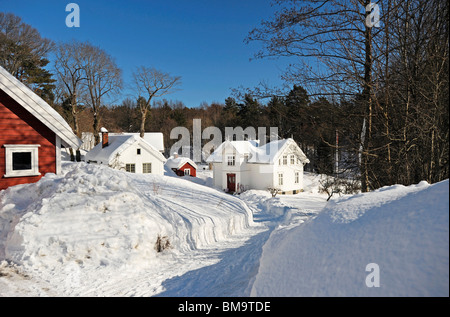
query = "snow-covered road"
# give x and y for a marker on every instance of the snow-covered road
(92, 231)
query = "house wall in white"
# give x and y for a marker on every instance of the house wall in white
(130, 156)
(278, 166)
(261, 176)
(290, 180)
(127, 149)
(290, 167)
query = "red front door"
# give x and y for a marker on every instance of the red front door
(231, 182)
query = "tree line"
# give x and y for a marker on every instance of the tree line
(390, 80)
(371, 102)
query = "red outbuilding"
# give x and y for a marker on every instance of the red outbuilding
(31, 134)
(182, 166)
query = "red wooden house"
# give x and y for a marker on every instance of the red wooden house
(31, 134)
(182, 166)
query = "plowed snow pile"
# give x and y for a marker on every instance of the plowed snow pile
(390, 242)
(94, 225)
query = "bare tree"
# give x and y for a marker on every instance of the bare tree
(392, 81)
(332, 35)
(70, 76)
(103, 79)
(152, 83)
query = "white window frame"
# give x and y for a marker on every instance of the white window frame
(130, 167)
(297, 177)
(284, 159)
(145, 168)
(292, 158)
(187, 172)
(21, 148)
(231, 160)
(280, 179)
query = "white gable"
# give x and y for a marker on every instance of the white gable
(38, 108)
(117, 144)
(264, 154)
(156, 139)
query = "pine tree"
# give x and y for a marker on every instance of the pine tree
(23, 54)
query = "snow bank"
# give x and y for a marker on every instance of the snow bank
(403, 230)
(95, 217)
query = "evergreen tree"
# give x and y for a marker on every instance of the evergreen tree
(23, 54)
(249, 113)
(276, 113)
(297, 102)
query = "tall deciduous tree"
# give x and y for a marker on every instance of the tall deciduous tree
(392, 79)
(71, 77)
(103, 79)
(151, 83)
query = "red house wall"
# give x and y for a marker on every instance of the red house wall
(180, 171)
(18, 126)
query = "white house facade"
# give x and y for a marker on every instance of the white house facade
(243, 165)
(127, 152)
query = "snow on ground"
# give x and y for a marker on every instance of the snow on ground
(402, 233)
(235, 273)
(92, 232)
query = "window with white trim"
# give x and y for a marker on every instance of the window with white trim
(187, 172)
(297, 177)
(146, 168)
(21, 160)
(231, 160)
(292, 159)
(284, 159)
(131, 168)
(280, 179)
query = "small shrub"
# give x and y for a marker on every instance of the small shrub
(332, 185)
(273, 191)
(162, 243)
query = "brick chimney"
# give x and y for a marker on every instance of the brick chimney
(105, 139)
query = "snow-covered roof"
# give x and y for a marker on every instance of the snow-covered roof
(267, 153)
(270, 152)
(177, 162)
(116, 145)
(38, 108)
(156, 139)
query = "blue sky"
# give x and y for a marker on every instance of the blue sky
(200, 40)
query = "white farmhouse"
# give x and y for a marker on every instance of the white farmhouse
(243, 165)
(127, 152)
